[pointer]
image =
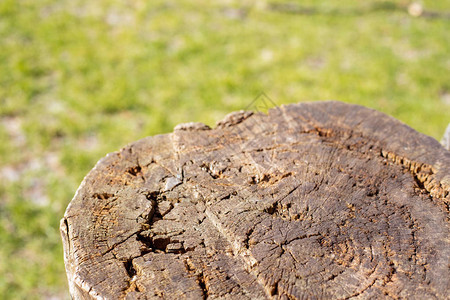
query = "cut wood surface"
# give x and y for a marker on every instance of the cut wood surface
(311, 201)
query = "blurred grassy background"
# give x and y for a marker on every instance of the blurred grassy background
(79, 79)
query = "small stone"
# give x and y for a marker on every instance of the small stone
(415, 9)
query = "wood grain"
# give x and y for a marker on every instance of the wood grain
(314, 200)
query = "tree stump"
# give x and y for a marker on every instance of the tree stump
(311, 201)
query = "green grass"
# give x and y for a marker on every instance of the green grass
(79, 79)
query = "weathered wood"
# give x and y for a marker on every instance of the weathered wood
(313, 200)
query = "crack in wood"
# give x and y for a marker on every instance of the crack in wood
(266, 206)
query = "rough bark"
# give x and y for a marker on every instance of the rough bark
(312, 201)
